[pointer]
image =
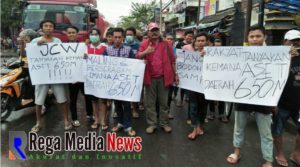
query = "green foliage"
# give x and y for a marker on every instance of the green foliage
(6, 21)
(140, 15)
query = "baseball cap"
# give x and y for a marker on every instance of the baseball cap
(152, 26)
(292, 34)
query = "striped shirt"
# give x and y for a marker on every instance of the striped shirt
(123, 51)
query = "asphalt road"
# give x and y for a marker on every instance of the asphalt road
(158, 149)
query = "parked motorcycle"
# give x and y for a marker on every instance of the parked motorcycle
(14, 80)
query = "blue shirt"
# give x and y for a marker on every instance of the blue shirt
(134, 46)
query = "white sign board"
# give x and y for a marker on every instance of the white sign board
(114, 77)
(189, 67)
(251, 75)
(56, 62)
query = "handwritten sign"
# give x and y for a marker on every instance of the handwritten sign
(56, 63)
(189, 67)
(252, 75)
(114, 77)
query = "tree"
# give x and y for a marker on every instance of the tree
(140, 15)
(8, 24)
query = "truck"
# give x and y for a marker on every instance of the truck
(80, 13)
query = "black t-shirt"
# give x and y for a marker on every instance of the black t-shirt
(290, 98)
(253, 108)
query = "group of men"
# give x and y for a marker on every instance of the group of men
(160, 75)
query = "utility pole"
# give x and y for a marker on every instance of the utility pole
(261, 13)
(160, 17)
(247, 21)
(198, 13)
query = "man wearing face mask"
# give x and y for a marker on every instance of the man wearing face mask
(131, 41)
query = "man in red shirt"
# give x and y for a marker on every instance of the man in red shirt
(160, 73)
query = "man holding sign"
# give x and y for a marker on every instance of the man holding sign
(123, 108)
(41, 91)
(263, 115)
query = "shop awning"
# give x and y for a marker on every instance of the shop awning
(291, 6)
(277, 20)
(222, 19)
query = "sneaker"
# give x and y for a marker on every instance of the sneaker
(150, 129)
(76, 123)
(167, 128)
(115, 115)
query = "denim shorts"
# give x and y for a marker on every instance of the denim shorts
(280, 119)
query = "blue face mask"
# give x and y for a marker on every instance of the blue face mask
(129, 38)
(94, 38)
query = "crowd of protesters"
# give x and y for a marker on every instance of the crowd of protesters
(160, 88)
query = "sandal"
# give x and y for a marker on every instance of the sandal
(190, 137)
(117, 128)
(68, 127)
(104, 127)
(266, 165)
(294, 161)
(224, 119)
(130, 132)
(95, 125)
(211, 117)
(36, 128)
(281, 162)
(233, 159)
(76, 123)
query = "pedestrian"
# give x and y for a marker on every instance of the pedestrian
(131, 41)
(109, 38)
(99, 105)
(41, 91)
(289, 103)
(220, 104)
(198, 104)
(123, 108)
(188, 39)
(160, 73)
(26, 36)
(74, 88)
(173, 89)
(263, 115)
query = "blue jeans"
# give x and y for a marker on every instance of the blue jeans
(264, 122)
(123, 110)
(198, 107)
(280, 119)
